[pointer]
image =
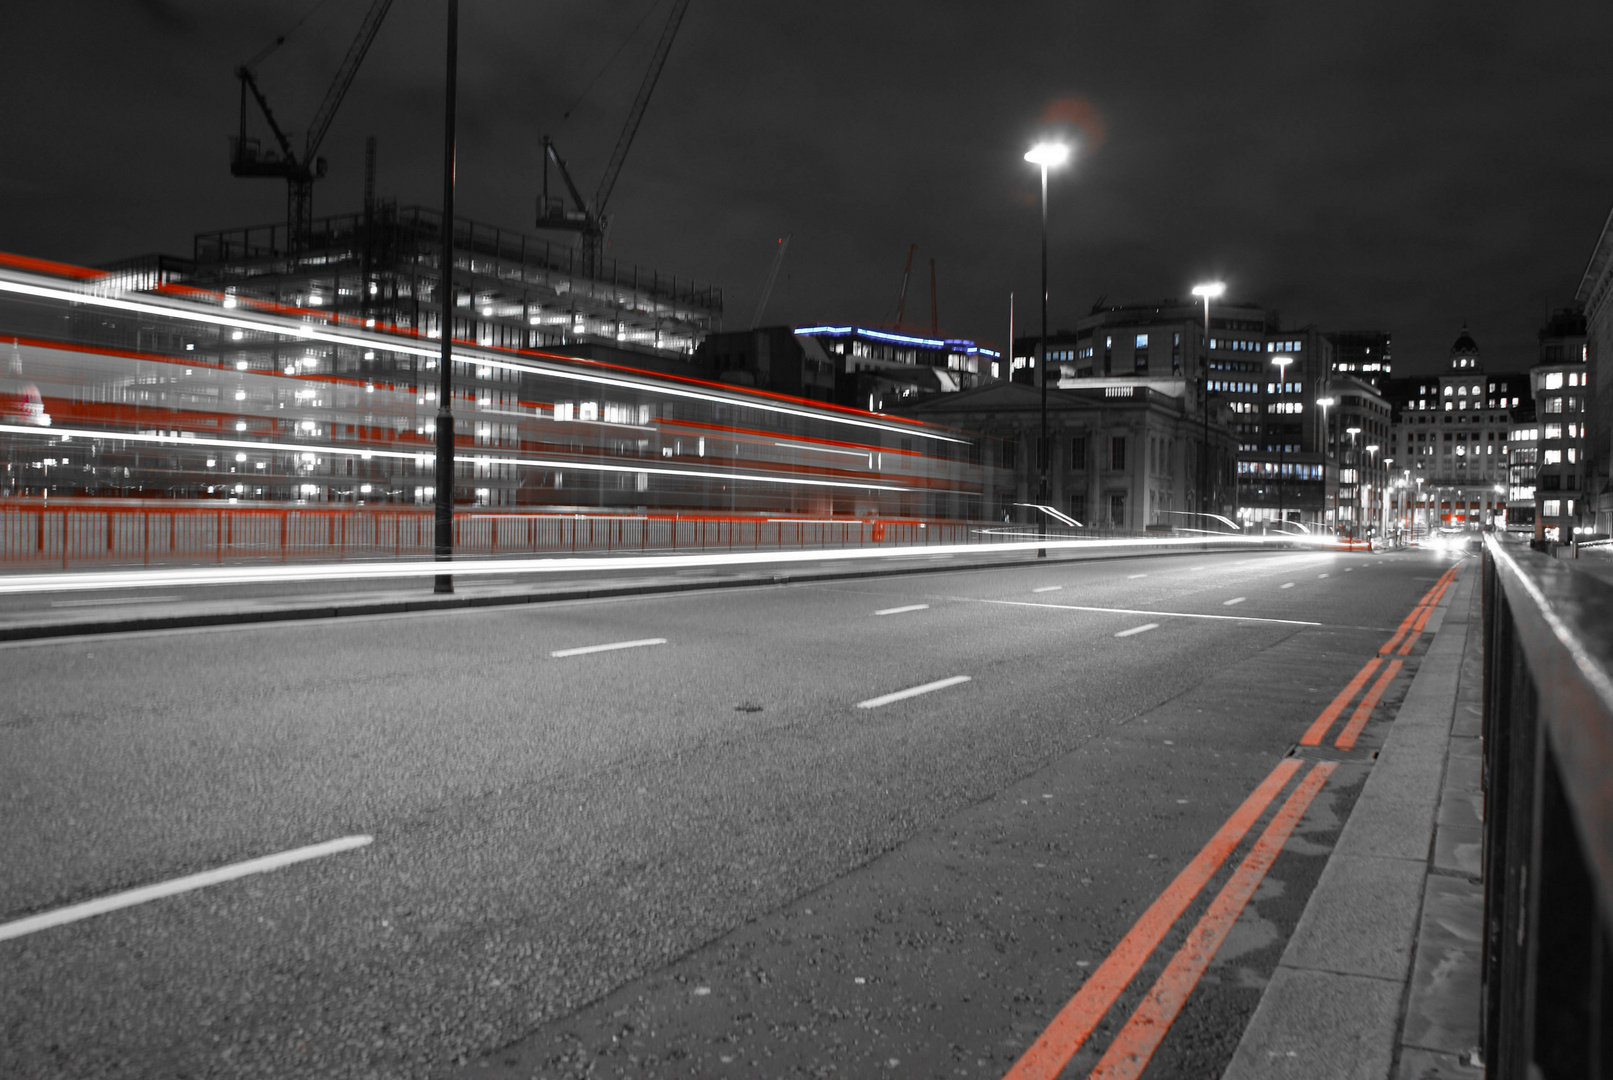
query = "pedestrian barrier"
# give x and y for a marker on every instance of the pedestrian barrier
(103, 532)
(1548, 817)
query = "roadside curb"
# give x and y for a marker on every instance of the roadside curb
(329, 609)
(1334, 1005)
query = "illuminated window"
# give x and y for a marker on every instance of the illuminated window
(1553, 380)
(1142, 341)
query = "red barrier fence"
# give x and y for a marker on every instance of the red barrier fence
(61, 534)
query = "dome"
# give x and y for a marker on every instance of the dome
(1464, 343)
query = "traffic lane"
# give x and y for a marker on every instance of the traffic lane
(950, 954)
(1373, 593)
(134, 762)
(613, 884)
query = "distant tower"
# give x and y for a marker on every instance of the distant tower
(1465, 354)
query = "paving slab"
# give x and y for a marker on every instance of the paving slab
(1442, 1007)
(1319, 1024)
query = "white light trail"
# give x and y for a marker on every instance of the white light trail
(74, 581)
(580, 465)
(173, 309)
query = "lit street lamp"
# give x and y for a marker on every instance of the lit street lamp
(1282, 363)
(1048, 155)
(1210, 290)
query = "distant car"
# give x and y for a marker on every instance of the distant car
(1453, 539)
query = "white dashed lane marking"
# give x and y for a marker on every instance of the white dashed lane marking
(912, 691)
(1143, 629)
(609, 648)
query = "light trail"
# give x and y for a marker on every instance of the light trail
(468, 352)
(420, 568)
(559, 464)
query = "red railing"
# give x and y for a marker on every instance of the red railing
(102, 532)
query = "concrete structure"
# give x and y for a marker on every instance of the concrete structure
(1523, 459)
(1559, 386)
(1363, 354)
(1595, 292)
(1361, 476)
(511, 290)
(1162, 347)
(770, 358)
(879, 369)
(1453, 437)
(1123, 457)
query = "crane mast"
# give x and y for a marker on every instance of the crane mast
(248, 158)
(590, 219)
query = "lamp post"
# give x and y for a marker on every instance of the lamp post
(1386, 492)
(1281, 363)
(443, 509)
(1355, 496)
(1048, 155)
(1210, 290)
(1324, 403)
(1373, 469)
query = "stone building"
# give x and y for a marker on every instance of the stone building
(1120, 457)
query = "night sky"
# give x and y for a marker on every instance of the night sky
(1402, 166)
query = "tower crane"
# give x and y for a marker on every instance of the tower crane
(248, 156)
(590, 218)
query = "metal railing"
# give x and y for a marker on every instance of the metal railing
(67, 534)
(1548, 817)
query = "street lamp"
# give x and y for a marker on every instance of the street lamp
(1355, 496)
(1373, 469)
(1282, 363)
(443, 502)
(1325, 403)
(1210, 290)
(1048, 155)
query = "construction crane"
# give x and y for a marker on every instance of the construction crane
(248, 156)
(901, 298)
(590, 219)
(772, 276)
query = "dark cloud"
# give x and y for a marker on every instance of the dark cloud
(1393, 165)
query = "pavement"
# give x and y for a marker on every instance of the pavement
(721, 851)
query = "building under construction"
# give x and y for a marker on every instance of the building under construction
(512, 290)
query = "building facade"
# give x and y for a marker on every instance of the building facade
(1118, 456)
(1560, 388)
(1281, 469)
(1595, 299)
(1453, 437)
(1364, 355)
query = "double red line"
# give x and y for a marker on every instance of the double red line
(1128, 1055)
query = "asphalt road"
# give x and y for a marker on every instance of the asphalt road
(699, 857)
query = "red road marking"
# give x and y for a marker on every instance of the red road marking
(1053, 1049)
(1347, 737)
(1132, 1049)
(1318, 730)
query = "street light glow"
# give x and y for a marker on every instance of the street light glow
(1212, 290)
(1325, 402)
(1049, 155)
